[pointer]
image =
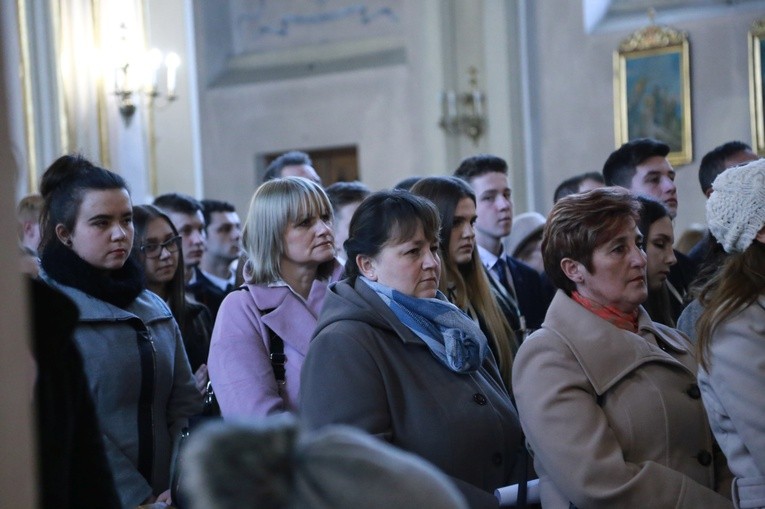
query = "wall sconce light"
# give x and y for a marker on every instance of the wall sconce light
(134, 75)
(463, 113)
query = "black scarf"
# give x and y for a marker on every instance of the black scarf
(118, 287)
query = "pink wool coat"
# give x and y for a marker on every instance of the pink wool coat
(239, 364)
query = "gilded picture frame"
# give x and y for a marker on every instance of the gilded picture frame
(756, 68)
(652, 90)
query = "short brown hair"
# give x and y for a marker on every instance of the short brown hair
(30, 207)
(579, 223)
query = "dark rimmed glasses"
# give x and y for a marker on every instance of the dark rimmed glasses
(153, 250)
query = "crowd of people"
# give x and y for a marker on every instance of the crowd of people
(421, 346)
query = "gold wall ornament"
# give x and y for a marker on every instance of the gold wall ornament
(463, 113)
(652, 91)
(138, 71)
(653, 37)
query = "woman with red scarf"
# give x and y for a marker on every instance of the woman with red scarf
(607, 397)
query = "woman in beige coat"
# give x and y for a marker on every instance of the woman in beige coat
(607, 398)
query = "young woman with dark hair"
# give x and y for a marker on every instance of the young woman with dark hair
(658, 238)
(137, 370)
(463, 278)
(157, 246)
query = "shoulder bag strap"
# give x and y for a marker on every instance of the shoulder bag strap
(276, 349)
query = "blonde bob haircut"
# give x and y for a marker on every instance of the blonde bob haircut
(274, 206)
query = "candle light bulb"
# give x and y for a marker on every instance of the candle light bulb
(477, 97)
(172, 61)
(154, 62)
(451, 104)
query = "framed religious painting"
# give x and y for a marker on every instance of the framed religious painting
(756, 69)
(652, 90)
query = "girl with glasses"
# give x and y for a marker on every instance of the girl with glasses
(157, 246)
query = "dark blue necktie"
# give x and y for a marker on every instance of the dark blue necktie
(500, 269)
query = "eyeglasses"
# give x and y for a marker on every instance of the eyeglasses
(154, 250)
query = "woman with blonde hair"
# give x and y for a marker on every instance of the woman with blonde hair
(262, 330)
(731, 330)
(463, 278)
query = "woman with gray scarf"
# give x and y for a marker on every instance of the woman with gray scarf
(392, 356)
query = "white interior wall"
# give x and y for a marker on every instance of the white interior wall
(565, 126)
(572, 103)
(389, 112)
(173, 137)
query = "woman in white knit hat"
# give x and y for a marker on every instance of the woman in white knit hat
(731, 330)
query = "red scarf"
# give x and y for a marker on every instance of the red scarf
(626, 321)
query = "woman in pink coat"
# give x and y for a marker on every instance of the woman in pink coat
(262, 331)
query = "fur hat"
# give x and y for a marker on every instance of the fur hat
(736, 208)
(271, 463)
(524, 226)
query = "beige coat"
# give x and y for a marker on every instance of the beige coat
(614, 418)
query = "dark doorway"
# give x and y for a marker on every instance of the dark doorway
(335, 164)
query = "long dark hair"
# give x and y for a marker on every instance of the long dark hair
(658, 304)
(467, 285)
(63, 187)
(176, 293)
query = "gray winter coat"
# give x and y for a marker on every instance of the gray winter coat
(125, 351)
(732, 391)
(367, 369)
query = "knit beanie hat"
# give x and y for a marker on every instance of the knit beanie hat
(271, 464)
(736, 208)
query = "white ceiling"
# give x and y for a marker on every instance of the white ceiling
(630, 14)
